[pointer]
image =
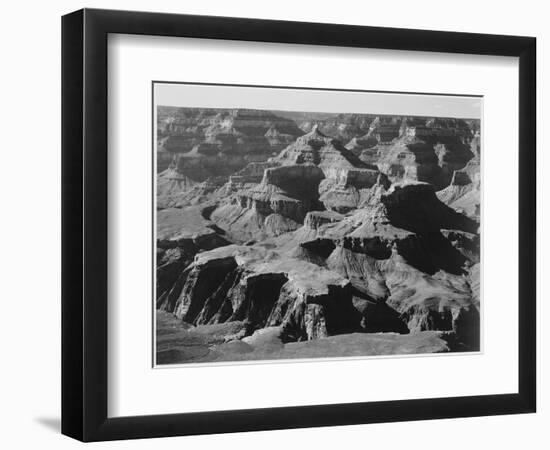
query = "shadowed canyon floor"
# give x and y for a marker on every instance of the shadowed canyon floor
(306, 235)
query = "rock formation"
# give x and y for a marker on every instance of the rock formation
(318, 239)
(212, 142)
(343, 127)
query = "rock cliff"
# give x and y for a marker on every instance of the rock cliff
(212, 142)
(317, 239)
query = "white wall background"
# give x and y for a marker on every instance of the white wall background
(30, 229)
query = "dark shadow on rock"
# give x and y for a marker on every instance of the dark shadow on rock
(416, 208)
(320, 247)
(377, 316)
(431, 252)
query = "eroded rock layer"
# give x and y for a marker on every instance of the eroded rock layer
(271, 231)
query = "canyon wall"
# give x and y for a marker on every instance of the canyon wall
(302, 227)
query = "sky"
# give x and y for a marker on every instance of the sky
(316, 100)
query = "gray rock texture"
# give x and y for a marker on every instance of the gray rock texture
(285, 235)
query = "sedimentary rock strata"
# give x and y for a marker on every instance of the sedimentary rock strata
(317, 239)
(211, 142)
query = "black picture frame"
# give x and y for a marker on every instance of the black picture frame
(84, 224)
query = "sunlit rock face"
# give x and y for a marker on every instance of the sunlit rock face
(354, 228)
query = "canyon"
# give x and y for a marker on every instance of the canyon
(284, 235)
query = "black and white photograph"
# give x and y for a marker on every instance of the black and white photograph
(275, 225)
(326, 224)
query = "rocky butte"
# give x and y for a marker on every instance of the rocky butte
(286, 235)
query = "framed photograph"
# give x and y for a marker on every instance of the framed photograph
(274, 224)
